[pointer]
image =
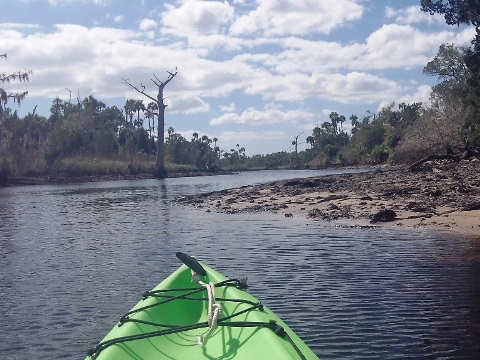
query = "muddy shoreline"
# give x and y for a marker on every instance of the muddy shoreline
(442, 195)
(62, 179)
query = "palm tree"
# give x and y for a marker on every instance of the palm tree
(354, 120)
(334, 120)
(137, 107)
(170, 131)
(341, 119)
(129, 111)
(152, 109)
(311, 141)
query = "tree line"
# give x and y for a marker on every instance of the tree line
(89, 129)
(448, 126)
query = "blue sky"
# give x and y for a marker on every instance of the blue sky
(253, 73)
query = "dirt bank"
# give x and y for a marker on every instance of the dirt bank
(63, 179)
(443, 195)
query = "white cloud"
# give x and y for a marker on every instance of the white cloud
(403, 46)
(147, 24)
(269, 115)
(198, 17)
(356, 87)
(228, 108)
(251, 136)
(90, 59)
(95, 59)
(68, 2)
(119, 18)
(390, 47)
(189, 105)
(18, 26)
(421, 93)
(412, 15)
(299, 55)
(297, 17)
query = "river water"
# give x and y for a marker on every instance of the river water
(74, 257)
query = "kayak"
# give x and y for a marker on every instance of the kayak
(197, 313)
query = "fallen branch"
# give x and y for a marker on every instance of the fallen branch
(417, 164)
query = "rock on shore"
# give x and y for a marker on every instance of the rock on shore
(443, 195)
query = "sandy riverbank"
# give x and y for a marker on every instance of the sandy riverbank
(444, 196)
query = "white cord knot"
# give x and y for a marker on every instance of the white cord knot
(214, 310)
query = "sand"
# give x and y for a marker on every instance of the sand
(442, 196)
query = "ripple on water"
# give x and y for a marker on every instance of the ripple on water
(72, 259)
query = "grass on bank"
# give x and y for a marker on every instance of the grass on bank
(74, 167)
(141, 164)
(33, 167)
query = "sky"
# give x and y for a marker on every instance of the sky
(256, 73)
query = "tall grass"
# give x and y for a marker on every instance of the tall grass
(78, 166)
(179, 168)
(117, 166)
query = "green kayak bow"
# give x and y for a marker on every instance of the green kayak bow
(197, 313)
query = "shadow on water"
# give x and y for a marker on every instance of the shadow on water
(75, 257)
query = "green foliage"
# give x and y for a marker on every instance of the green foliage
(454, 11)
(5, 95)
(86, 166)
(197, 152)
(379, 154)
(465, 12)
(471, 126)
(470, 131)
(179, 168)
(67, 138)
(449, 66)
(327, 141)
(352, 155)
(8, 130)
(80, 166)
(270, 161)
(372, 140)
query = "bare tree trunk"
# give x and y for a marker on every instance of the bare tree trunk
(160, 172)
(295, 142)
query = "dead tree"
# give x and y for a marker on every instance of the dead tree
(295, 143)
(160, 171)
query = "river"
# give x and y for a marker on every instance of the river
(74, 257)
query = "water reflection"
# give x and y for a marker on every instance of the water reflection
(75, 257)
(7, 221)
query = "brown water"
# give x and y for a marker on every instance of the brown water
(74, 258)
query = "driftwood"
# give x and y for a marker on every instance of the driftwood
(417, 164)
(467, 154)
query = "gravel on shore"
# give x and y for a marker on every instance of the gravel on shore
(441, 195)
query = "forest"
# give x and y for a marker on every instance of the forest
(85, 137)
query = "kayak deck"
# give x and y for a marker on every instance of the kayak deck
(173, 318)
